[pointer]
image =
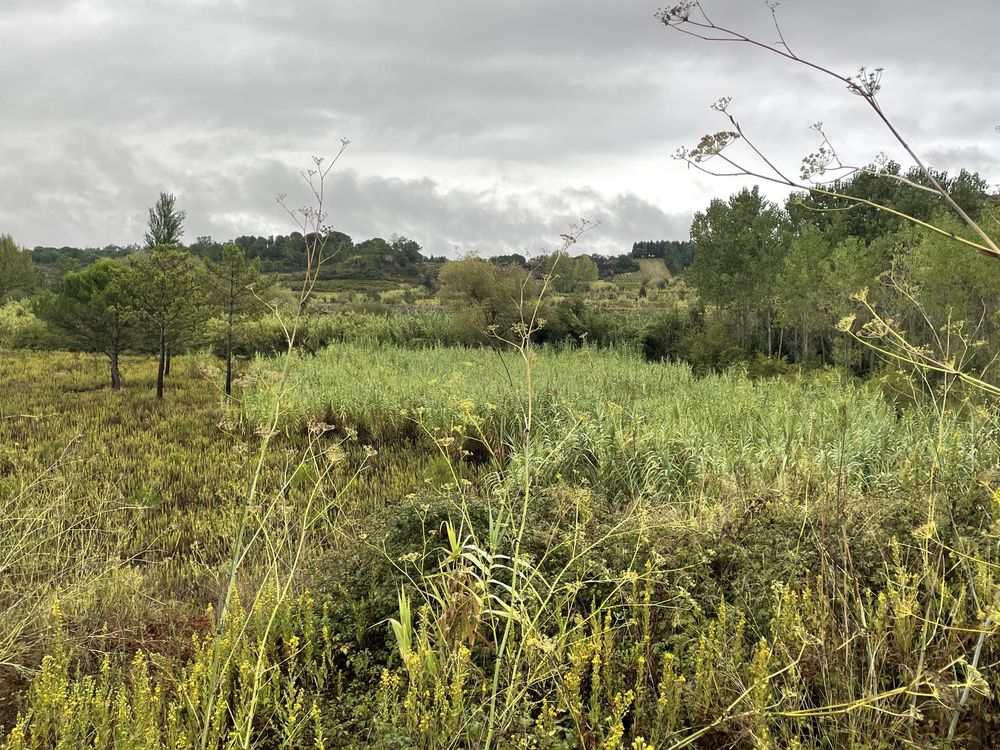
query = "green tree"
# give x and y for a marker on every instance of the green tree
(172, 300)
(801, 287)
(205, 248)
(165, 228)
(487, 298)
(883, 186)
(166, 223)
(18, 276)
(512, 258)
(405, 252)
(569, 274)
(96, 308)
(738, 249)
(235, 285)
(951, 286)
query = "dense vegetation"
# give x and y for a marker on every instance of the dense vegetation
(341, 495)
(712, 557)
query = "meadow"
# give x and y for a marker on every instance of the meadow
(376, 545)
(740, 491)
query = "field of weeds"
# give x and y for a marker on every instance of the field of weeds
(443, 548)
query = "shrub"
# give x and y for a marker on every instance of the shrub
(21, 329)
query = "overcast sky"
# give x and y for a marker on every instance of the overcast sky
(475, 126)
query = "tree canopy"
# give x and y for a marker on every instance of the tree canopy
(96, 308)
(235, 287)
(18, 276)
(166, 222)
(487, 298)
(171, 298)
(737, 254)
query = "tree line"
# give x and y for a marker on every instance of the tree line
(159, 297)
(782, 281)
(398, 258)
(759, 282)
(375, 259)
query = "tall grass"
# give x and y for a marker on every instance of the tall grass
(611, 419)
(672, 452)
(653, 560)
(701, 561)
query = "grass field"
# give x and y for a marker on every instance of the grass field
(650, 560)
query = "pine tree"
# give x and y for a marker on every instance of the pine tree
(166, 223)
(235, 286)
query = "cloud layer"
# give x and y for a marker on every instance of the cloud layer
(475, 126)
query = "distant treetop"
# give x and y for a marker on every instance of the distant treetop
(166, 223)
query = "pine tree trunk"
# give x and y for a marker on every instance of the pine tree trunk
(116, 376)
(229, 360)
(161, 365)
(229, 336)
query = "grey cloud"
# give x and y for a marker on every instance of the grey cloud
(85, 189)
(444, 220)
(108, 101)
(952, 158)
(80, 197)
